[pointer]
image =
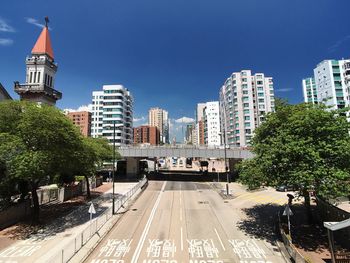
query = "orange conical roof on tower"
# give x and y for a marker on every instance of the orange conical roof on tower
(43, 44)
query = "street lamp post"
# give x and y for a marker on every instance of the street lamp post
(113, 171)
(226, 169)
(225, 158)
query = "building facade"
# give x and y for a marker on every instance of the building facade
(244, 101)
(97, 114)
(346, 73)
(146, 134)
(82, 119)
(41, 70)
(4, 94)
(113, 106)
(212, 130)
(199, 129)
(159, 118)
(331, 83)
(201, 133)
(309, 90)
(189, 135)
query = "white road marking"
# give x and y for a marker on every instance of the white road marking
(148, 225)
(216, 232)
(180, 195)
(182, 241)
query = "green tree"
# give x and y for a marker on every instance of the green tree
(89, 157)
(305, 145)
(45, 142)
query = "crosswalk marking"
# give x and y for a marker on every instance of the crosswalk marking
(262, 198)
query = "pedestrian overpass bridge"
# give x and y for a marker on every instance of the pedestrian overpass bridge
(188, 152)
(133, 154)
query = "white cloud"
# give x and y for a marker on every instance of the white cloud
(6, 42)
(5, 27)
(339, 43)
(81, 108)
(184, 120)
(139, 119)
(284, 90)
(35, 22)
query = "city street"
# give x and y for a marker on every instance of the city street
(175, 222)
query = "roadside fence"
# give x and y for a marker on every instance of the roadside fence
(70, 249)
(47, 195)
(291, 249)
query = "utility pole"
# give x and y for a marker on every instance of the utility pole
(113, 171)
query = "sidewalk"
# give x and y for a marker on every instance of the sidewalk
(310, 240)
(24, 243)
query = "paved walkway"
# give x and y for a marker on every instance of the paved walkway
(260, 208)
(43, 242)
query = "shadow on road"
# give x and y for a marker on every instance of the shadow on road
(260, 222)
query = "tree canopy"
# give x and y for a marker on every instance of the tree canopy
(303, 145)
(39, 143)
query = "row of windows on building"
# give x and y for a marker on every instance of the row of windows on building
(35, 77)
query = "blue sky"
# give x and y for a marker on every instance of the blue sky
(173, 54)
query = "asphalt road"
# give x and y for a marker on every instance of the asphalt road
(173, 222)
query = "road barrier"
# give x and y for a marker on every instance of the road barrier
(291, 249)
(70, 249)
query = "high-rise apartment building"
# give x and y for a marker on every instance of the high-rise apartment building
(146, 134)
(200, 111)
(244, 101)
(309, 90)
(160, 118)
(212, 124)
(199, 129)
(97, 114)
(189, 136)
(113, 106)
(346, 73)
(82, 119)
(201, 132)
(331, 84)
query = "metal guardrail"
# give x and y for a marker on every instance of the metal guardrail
(184, 146)
(291, 249)
(69, 250)
(23, 88)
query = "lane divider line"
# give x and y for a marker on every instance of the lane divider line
(217, 234)
(182, 241)
(137, 252)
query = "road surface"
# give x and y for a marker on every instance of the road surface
(175, 222)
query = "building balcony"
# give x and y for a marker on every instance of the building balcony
(42, 60)
(37, 88)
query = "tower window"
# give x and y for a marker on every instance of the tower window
(31, 77)
(39, 77)
(34, 77)
(45, 79)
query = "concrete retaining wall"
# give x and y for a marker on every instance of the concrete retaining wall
(13, 214)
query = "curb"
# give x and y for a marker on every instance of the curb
(96, 239)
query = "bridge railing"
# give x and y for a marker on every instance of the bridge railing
(184, 146)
